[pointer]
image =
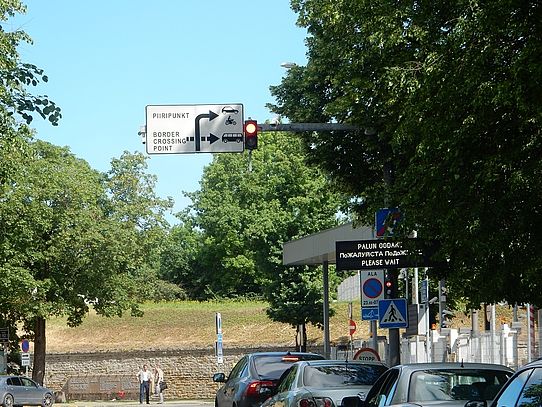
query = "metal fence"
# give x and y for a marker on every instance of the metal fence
(450, 345)
(504, 346)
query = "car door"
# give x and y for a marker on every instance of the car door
(14, 386)
(525, 389)
(285, 394)
(32, 393)
(226, 396)
(382, 391)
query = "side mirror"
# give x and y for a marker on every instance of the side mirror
(476, 403)
(219, 377)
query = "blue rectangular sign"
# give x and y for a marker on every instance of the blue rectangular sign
(369, 314)
(392, 313)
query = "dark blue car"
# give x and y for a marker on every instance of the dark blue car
(254, 378)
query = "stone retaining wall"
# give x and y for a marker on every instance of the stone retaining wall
(112, 375)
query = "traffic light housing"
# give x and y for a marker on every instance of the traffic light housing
(251, 134)
(388, 286)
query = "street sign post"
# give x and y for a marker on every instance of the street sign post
(392, 313)
(178, 129)
(219, 339)
(372, 284)
(386, 220)
(382, 254)
(367, 355)
(351, 327)
(25, 345)
(4, 335)
(25, 359)
(369, 314)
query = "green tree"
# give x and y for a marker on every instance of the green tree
(67, 243)
(447, 96)
(295, 297)
(180, 258)
(247, 207)
(16, 75)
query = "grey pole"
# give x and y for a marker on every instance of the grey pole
(475, 324)
(327, 347)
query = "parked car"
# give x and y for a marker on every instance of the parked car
(523, 389)
(253, 379)
(324, 383)
(22, 391)
(442, 384)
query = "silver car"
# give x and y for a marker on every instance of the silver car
(442, 384)
(22, 391)
(324, 383)
(524, 389)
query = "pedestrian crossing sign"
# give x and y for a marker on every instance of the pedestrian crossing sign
(392, 313)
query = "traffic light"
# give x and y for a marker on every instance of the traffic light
(251, 134)
(388, 285)
(444, 314)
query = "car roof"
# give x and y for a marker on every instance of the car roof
(275, 353)
(453, 365)
(534, 363)
(340, 362)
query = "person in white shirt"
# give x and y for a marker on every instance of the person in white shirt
(158, 382)
(144, 376)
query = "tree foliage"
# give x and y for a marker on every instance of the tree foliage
(16, 76)
(230, 240)
(70, 237)
(68, 244)
(447, 96)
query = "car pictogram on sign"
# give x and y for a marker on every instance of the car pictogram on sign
(229, 109)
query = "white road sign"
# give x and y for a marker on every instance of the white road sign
(372, 287)
(25, 359)
(178, 129)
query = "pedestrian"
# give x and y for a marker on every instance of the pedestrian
(144, 377)
(159, 382)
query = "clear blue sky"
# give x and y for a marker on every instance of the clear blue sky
(107, 60)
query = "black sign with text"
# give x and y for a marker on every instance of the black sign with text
(4, 334)
(383, 254)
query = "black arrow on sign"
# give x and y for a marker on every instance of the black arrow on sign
(210, 116)
(211, 138)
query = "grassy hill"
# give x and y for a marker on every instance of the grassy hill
(190, 324)
(187, 325)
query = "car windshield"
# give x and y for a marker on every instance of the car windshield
(272, 366)
(460, 384)
(341, 375)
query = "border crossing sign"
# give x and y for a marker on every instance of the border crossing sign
(392, 313)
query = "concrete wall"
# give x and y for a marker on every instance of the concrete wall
(112, 375)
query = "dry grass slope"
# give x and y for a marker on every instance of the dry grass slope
(183, 325)
(189, 325)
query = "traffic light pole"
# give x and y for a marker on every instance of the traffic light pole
(301, 127)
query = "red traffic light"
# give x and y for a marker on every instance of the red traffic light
(251, 134)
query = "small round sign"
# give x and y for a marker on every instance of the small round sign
(25, 345)
(372, 288)
(352, 327)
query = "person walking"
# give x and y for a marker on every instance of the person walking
(159, 382)
(144, 376)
